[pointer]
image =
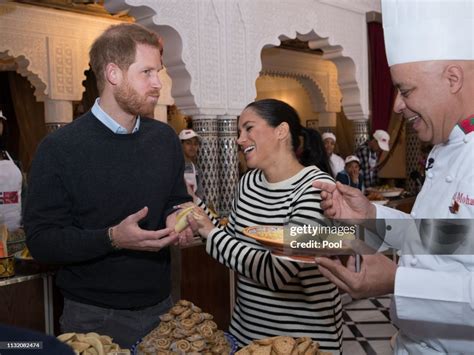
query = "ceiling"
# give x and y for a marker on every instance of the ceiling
(95, 8)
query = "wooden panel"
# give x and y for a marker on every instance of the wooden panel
(404, 204)
(22, 305)
(205, 282)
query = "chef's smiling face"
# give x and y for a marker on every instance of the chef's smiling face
(423, 98)
(256, 139)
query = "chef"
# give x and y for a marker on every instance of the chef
(10, 185)
(430, 50)
(336, 162)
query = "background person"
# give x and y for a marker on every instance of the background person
(431, 61)
(192, 173)
(275, 296)
(102, 196)
(369, 154)
(351, 175)
(336, 162)
(11, 182)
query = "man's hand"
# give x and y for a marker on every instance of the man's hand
(186, 236)
(128, 234)
(344, 202)
(375, 278)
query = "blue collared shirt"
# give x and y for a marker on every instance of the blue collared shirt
(109, 122)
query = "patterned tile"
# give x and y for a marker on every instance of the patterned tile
(377, 330)
(365, 316)
(367, 329)
(381, 347)
(352, 347)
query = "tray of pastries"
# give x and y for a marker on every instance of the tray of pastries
(186, 329)
(282, 345)
(92, 344)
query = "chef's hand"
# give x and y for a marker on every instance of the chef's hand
(344, 202)
(186, 236)
(200, 222)
(128, 234)
(375, 278)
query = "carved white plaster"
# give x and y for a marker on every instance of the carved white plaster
(50, 46)
(360, 6)
(317, 76)
(213, 52)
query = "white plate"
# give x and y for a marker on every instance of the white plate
(297, 258)
(392, 193)
(380, 202)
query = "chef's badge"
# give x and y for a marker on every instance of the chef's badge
(454, 208)
(459, 199)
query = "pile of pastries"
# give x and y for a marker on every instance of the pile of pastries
(375, 196)
(282, 345)
(92, 344)
(185, 329)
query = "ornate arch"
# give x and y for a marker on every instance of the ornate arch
(218, 59)
(33, 72)
(50, 47)
(316, 95)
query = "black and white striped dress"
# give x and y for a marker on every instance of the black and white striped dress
(275, 296)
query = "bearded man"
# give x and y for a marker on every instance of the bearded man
(102, 194)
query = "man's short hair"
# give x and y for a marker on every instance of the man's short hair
(118, 45)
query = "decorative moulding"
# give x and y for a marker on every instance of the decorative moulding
(213, 47)
(50, 47)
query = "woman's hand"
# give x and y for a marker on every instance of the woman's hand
(200, 222)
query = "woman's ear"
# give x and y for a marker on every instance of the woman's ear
(283, 130)
(113, 74)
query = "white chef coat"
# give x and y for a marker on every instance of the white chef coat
(433, 301)
(336, 163)
(10, 193)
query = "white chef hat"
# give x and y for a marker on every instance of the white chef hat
(421, 30)
(329, 135)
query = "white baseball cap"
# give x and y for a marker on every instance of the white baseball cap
(351, 158)
(422, 30)
(382, 138)
(330, 135)
(187, 134)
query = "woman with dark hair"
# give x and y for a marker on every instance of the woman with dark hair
(275, 296)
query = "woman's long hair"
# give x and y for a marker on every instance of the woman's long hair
(275, 112)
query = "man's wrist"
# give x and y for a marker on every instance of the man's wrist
(110, 234)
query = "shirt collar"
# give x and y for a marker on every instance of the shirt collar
(109, 122)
